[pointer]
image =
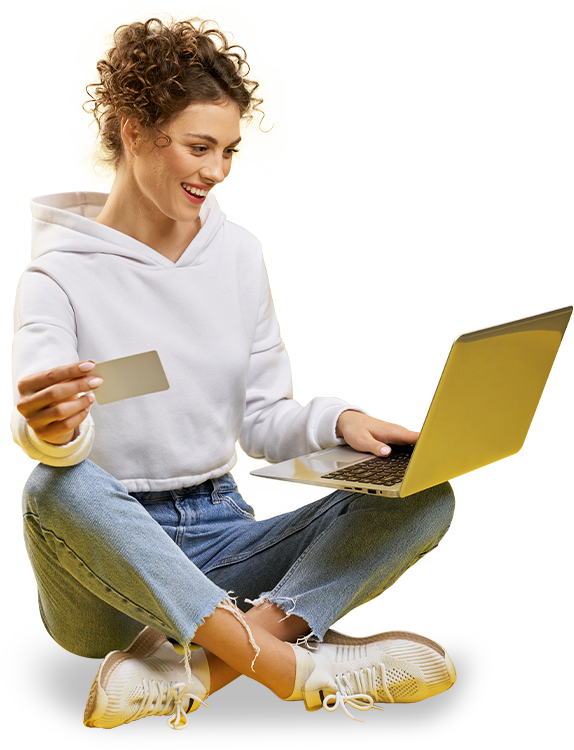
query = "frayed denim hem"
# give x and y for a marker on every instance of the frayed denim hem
(266, 600)
(228, 603)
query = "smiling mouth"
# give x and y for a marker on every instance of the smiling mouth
(197, 195)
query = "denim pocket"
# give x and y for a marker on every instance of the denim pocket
(234, 501)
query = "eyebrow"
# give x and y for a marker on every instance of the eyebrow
(209, 138)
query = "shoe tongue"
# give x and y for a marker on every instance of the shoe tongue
(357, 676)
(161, 698)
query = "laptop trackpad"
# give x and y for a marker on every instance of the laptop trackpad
(311, 466)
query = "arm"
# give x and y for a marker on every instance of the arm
(276, 426)
(50, 422)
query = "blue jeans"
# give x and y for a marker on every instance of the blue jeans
(107, 562)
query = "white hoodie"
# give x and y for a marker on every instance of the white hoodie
(92, 292)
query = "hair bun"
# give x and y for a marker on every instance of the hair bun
(153, 71)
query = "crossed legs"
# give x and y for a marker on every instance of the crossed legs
(87, 538)
(230, 652)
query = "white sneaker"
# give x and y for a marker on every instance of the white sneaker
(147, 679)
(393, 667)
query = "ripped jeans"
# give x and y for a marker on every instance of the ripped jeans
(107, 562)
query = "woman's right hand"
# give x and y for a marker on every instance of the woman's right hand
(51, 404)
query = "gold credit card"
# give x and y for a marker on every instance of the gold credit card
(126, 377)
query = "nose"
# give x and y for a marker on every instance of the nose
(213, 169)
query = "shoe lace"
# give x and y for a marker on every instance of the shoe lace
(161, 698)
(359, 690)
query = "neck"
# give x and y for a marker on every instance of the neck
(127, 211)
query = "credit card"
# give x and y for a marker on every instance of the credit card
(126, 377)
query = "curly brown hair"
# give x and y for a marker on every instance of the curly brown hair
(153, 71)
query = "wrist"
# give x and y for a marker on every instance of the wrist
(339, 427)
(68, 437)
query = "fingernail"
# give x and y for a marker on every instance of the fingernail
(91, 398)
(385, 450)
(95, 382)
(87, 366)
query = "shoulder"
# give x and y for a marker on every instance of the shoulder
(215, 219)
(244, 239)
(244, 251)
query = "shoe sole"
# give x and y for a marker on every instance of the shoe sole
(144, 645)
(332, 636)
(340, 639)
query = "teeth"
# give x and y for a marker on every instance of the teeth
(194, 191)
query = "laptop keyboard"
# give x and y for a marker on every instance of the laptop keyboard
(384, 471)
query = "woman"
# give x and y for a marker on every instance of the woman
(141, 545)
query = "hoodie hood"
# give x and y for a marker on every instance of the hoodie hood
(65, 223)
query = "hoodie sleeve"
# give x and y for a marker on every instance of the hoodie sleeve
(45, 336)
(276, 427)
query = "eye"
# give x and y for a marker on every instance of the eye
(231, 151)
(203, 149)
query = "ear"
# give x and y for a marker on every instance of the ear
(132, 134)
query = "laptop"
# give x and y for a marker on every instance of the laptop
(481, 412)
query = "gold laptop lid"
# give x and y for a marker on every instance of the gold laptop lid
(486, 398)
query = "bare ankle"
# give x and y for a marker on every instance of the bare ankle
(271, 617)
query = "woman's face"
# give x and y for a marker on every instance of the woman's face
(172, 182)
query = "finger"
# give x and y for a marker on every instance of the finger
(70, 389)
(366, 442)
(56, 388)
(31, 406)
(406, 437)
(60, 412)
(53, 432)
(401, 436)
(39, 381)
(394, 434)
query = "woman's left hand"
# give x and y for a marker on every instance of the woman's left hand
(370, 435)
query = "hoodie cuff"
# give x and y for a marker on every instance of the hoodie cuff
(47, 453)
(326, 435)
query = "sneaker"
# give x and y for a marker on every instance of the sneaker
(147, 679)
(393, 667)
